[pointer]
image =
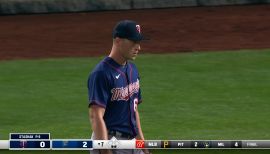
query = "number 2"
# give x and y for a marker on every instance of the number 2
(84, 144)
(196, 144)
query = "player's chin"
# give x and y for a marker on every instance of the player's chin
(133, 57)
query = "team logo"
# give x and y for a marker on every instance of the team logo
(124, 93)
(138, 28)
(65, 143)
(140, 144)
(23, 143)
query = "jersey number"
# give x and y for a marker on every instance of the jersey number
(135, 101)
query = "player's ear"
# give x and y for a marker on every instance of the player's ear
(117, 40)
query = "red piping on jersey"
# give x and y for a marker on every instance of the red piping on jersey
(132, 129)
(116, 70)
(132, 113)
(94, 102)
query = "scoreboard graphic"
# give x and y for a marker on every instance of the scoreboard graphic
(43, 141)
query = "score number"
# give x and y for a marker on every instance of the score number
(29, 144)
(71, 144)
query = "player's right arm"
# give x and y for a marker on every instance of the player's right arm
(96, 114)
(98, 91)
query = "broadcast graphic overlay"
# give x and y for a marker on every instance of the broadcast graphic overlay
(43, 141)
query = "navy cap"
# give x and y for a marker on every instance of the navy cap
(128, 29)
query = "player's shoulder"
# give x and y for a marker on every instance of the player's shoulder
(100, 69)
(101, 66)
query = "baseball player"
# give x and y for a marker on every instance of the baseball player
(114, 90)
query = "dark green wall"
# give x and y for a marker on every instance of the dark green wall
(52, 6)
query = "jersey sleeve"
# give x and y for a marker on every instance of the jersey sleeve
(98, 89)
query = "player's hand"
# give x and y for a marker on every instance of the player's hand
(146, 151)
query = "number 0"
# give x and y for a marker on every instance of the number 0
(42, 144)
(84, 144)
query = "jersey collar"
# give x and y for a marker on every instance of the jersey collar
(114, 63)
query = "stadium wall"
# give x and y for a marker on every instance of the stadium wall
(57, 6)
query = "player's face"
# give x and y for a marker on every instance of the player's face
(130, 49)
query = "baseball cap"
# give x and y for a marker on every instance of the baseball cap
(128, 29)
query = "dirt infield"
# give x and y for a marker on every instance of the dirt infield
(170, 30)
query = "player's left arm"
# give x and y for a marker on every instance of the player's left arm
(140, 132)
(138, 122)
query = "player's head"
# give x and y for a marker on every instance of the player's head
(127, 37)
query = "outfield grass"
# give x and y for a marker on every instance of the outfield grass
(209, 96)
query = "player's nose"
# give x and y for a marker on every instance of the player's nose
(138, 47)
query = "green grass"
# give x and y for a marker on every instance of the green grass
(210, 96)
(221, 95)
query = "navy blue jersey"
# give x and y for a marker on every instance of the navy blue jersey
(116, 88)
